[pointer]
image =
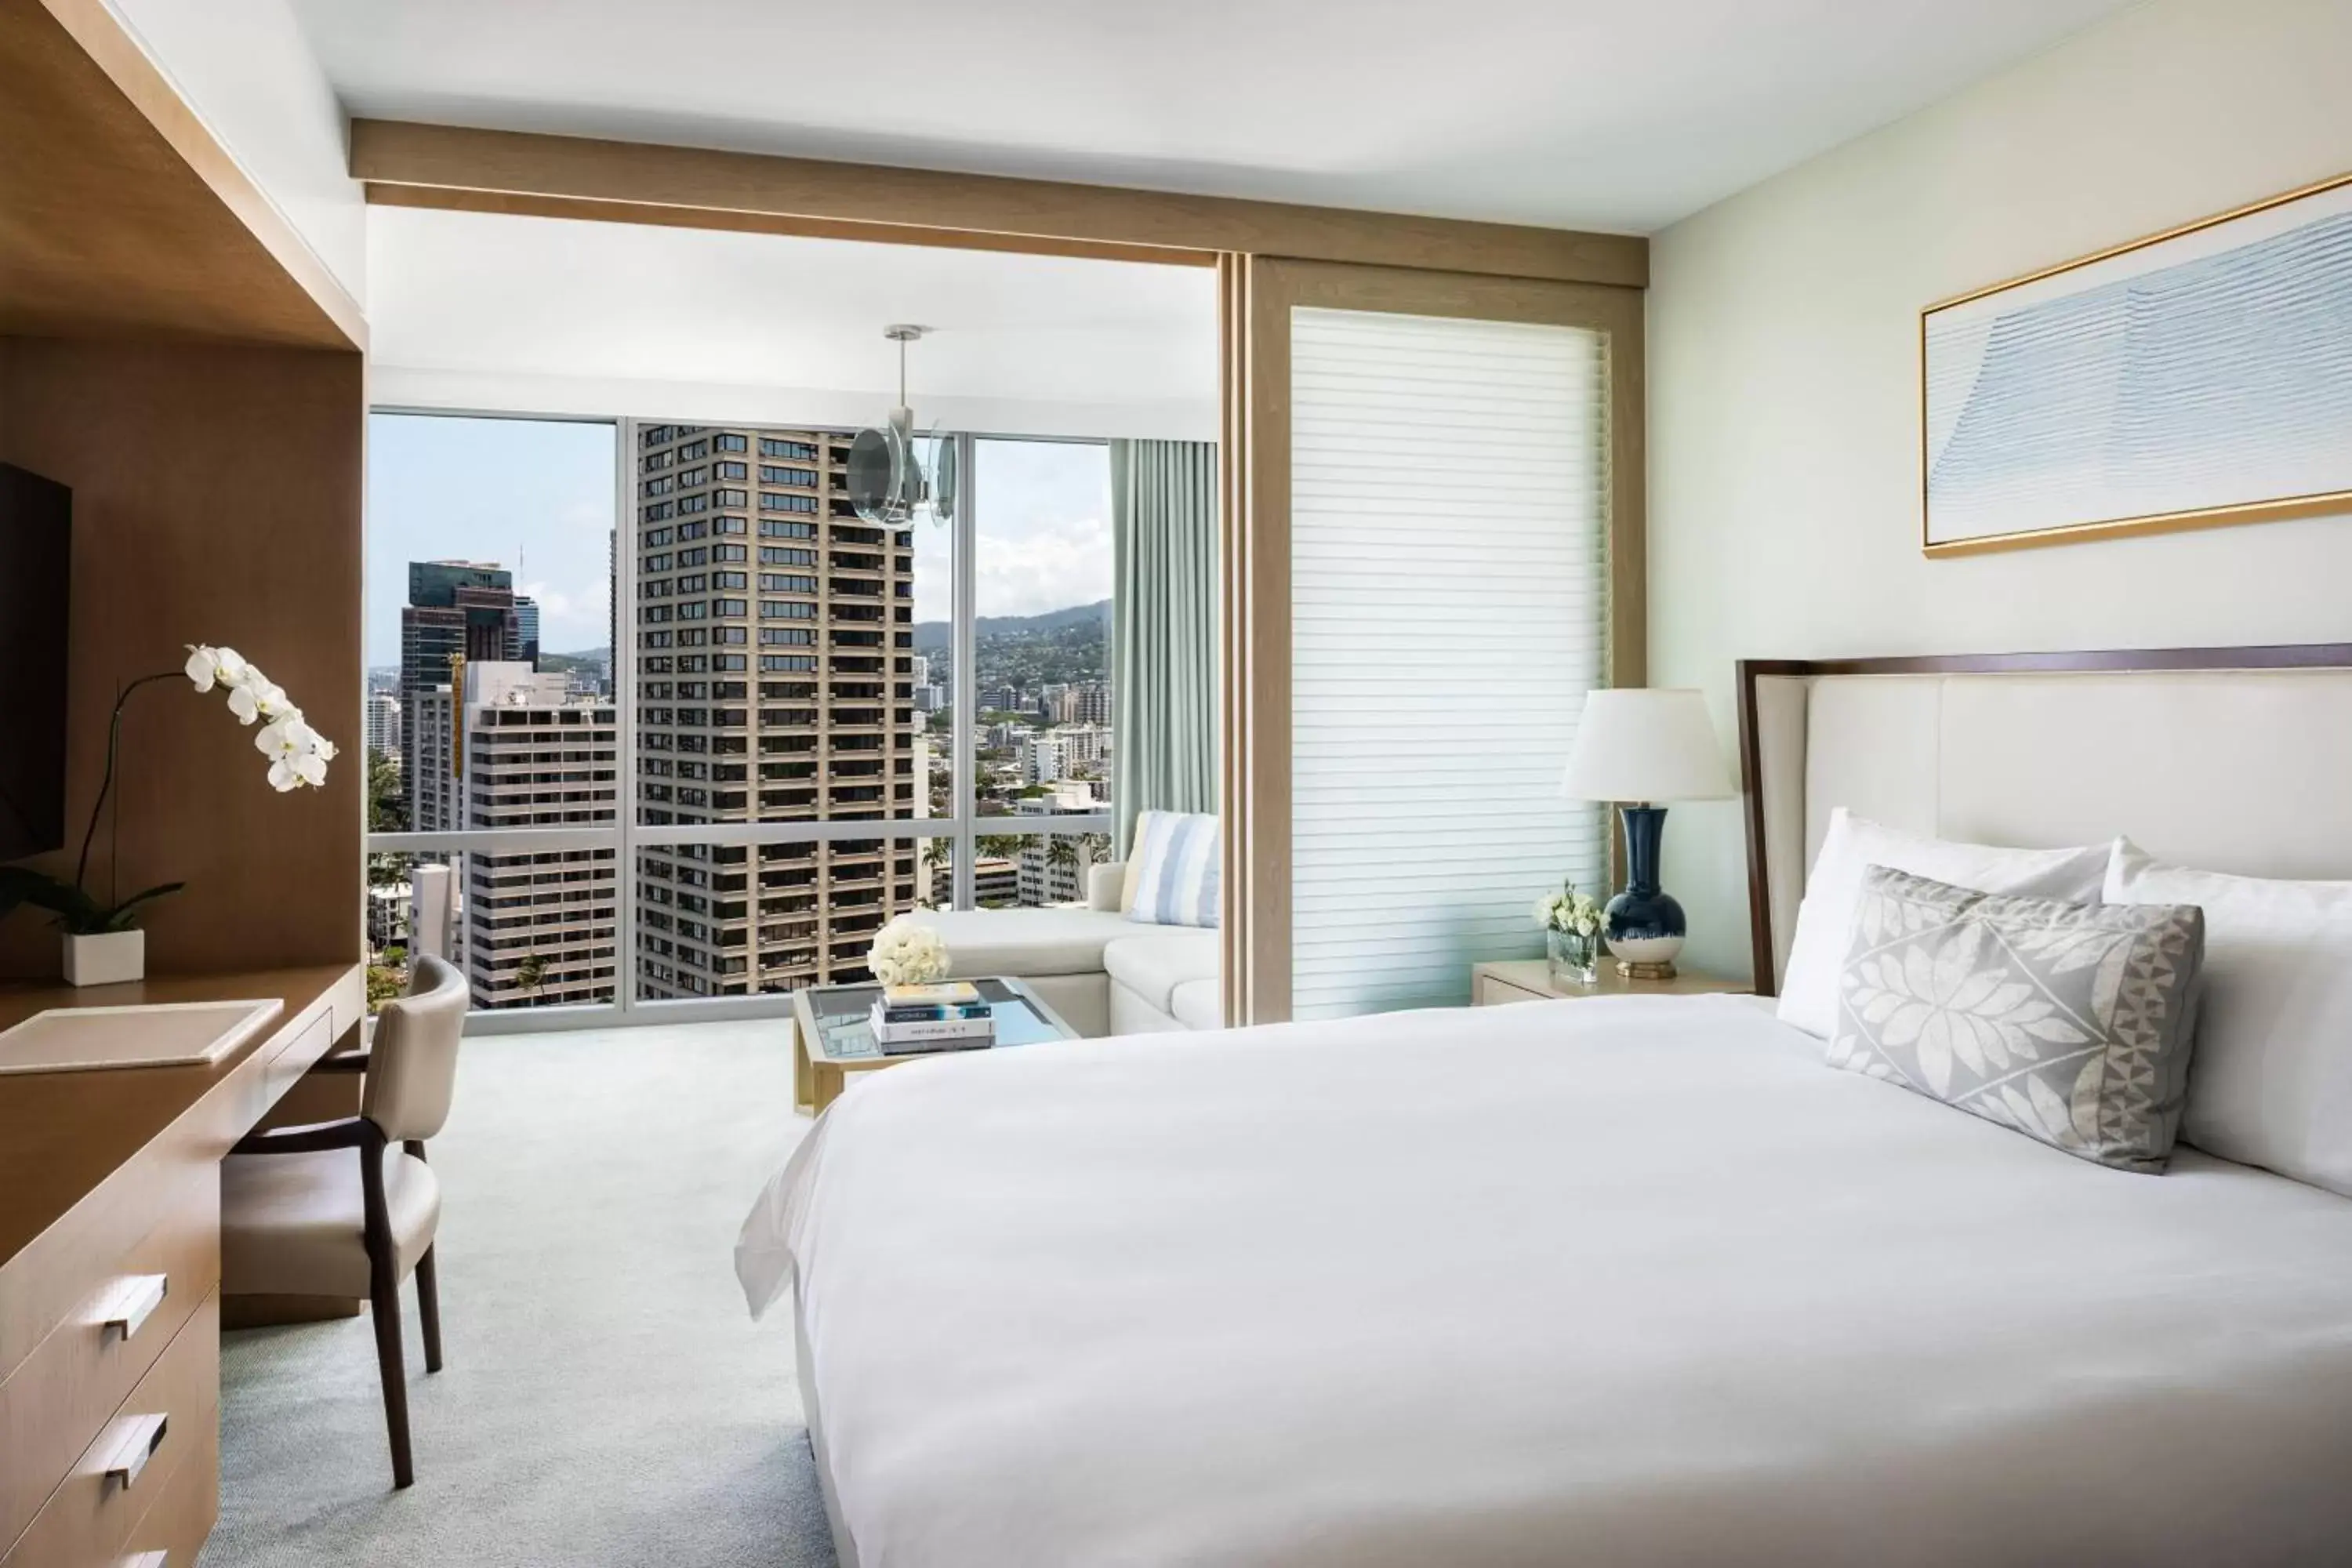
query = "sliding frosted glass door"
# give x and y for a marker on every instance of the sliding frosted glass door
(1449, 587)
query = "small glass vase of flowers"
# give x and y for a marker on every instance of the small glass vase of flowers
(1571, 926)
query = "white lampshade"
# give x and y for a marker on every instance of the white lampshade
(1641, 743)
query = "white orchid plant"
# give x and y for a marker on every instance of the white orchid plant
(907, 953)
(1569, 912)
(298, 756)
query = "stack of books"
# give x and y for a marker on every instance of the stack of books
(949, 1016)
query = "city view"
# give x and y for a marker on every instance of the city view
(790, 663)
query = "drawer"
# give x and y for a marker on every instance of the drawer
(55, 1402)
(287, 1062)
(171, 1421)
(174, 1527)
(1493, 992)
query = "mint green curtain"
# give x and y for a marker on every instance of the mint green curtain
(1163, 662)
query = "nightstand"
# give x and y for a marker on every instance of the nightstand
(1529, 979)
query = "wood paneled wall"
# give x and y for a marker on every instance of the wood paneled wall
(216, 499)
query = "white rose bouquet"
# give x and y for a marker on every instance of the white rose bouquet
(908, 953)
(1570, 911)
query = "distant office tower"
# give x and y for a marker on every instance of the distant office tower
(524, 644)
(383, 725)
(518, 748)
(919, 670)
(456, 609)
(774, 640)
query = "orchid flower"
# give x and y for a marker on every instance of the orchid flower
(259, 697)
(295, 751)
(208, 665)
(298, 753)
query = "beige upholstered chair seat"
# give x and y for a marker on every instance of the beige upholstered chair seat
(292, 1225)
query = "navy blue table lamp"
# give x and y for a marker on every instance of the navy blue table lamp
(1636, 746)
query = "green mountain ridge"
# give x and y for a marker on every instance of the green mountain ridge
(933, 636)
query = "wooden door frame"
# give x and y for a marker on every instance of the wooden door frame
(1269, 256)
(1256, 296)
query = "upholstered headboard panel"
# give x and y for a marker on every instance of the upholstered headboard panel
(2234, 759)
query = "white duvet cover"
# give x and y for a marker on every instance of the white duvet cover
(1610, 1282)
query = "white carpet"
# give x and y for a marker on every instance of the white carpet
(605, 1399)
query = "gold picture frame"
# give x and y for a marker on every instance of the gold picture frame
(2178, 248)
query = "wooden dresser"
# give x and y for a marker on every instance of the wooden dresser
(110, 1272)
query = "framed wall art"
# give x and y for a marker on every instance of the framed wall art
(2197, 377)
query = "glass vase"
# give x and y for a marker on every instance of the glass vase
(1573, 959)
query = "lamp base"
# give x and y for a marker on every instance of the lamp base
(1632, 971)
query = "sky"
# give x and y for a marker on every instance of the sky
(536, 497)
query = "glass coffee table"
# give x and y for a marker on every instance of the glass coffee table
(832, 1037)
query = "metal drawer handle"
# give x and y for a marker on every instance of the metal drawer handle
(134, 1300)
(156, 1559)
(141, 1435)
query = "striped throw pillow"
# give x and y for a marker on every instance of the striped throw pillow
(1178, 862)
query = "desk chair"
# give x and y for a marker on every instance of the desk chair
(349, 1208)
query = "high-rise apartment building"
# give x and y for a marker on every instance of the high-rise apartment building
(774, 643)
(1067, 751)
(1079, 702)
(516, 748)
(456, 609)
(384, 723)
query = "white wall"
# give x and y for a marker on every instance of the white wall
(1784, 477)
(246, 70)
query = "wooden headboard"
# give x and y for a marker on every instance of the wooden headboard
(2237, 759)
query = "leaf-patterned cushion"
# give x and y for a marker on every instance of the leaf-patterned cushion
(2070, 1023)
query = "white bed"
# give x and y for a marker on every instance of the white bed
(1629, 1282)
(1616, 1282)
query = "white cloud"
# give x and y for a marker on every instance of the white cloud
(1049, 564)
(570, 619)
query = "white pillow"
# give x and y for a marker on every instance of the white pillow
(1179, 859)
(2271, 1081)
(1854, 844)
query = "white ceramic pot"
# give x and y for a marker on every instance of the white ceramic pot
(106, 960)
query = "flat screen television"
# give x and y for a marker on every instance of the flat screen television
(35, 580)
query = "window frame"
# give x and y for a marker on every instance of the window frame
(625, 834)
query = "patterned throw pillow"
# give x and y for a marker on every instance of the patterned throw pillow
(1178, 860)
(2070, 1023)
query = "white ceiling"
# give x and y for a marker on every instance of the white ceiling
(1615, 114)
(544, 315)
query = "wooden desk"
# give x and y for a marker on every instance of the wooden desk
(110, 1270)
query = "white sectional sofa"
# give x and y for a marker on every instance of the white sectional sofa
(1106, 974)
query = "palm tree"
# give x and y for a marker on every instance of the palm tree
(531, 974)
(1062, 855)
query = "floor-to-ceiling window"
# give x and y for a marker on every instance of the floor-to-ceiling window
(650, 699)
(1043, 753)
(493, 737)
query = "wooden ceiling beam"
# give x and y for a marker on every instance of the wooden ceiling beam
(416, 164)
